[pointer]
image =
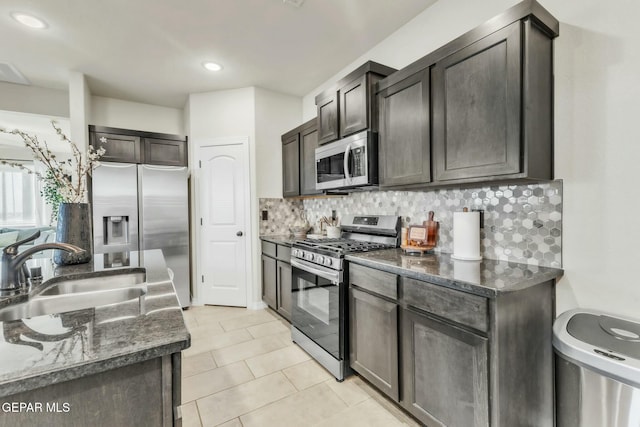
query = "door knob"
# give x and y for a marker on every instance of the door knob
(239, 234)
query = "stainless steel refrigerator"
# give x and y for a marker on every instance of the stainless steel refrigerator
(139, 207)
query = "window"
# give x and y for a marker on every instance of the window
(18, 191)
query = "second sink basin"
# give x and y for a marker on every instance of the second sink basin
(41, 304)
(110, 279)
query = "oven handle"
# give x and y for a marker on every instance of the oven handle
(347, 153)
(329, 275)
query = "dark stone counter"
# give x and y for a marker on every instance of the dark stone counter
(286, 240)
(50, 349)
(486, 278)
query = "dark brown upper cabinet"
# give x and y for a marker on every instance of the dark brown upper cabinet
(477, 92)
(349, 107)
(299, 160)
(308, 145)
(132, 146)
(118, 148)
(164, 152)
(404, 139)
(327, 117)
(291, 164)
(489, 114)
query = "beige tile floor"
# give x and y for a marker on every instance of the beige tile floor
(243, 370)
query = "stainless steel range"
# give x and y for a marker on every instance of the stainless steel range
(319, 291)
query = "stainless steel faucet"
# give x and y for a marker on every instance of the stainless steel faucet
(14, 271)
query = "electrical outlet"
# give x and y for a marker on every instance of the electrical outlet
(265, 215)
(333, 214)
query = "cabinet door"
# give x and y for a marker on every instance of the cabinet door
(405, 151)
(284, 289)
(290, 166)
(165, 152)
(476, 104)
(373, 340)
(119, 148)
(328, 118)
(269, 281)
(354, 107)
(444, 373)
(308, 145)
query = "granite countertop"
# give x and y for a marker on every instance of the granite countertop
(286, 240)
(49, 349)
(486, 278)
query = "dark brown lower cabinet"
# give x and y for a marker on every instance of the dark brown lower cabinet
(276, 278)
(373, 324)
(444, 372)
(283, 289)
(269, 284)
(454, 358)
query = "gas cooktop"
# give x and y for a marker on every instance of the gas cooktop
(340, 246)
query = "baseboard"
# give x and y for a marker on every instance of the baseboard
(257, 305)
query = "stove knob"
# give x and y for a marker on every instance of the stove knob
(294, 252)
(320, 259)
(310, 257)
(328, 262)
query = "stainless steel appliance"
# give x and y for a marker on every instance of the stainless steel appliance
(597, 370)
(319, 288)
(348, 163)
(138, 207)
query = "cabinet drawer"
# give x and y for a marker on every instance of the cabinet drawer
(269, 248)
(467, 309)
(373, 280)
(284, 253)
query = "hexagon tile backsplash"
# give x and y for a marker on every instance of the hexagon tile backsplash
(522, 223)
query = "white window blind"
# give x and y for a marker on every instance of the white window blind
(18, 193)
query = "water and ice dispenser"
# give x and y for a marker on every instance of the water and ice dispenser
(116, 230)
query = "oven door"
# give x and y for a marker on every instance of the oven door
(343, 163)
(318, 305)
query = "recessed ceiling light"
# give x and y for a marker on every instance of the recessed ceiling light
(212, 66)
(29, 20)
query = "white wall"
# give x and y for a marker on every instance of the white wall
(275, 114)
(596, 107)
(79, 110)
(33, 99)
(118, 113)
(222, 113)
(228, 113)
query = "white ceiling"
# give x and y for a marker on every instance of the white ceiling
(152, 51)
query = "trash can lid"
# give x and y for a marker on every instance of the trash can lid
(600, 341)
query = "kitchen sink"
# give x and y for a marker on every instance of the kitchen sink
(104, 280)
(40, 305)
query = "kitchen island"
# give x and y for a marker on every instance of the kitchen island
(116, 364)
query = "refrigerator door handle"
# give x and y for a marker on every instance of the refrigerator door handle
(161, 168)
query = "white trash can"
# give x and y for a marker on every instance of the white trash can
(597, 370)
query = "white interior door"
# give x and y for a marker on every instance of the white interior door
(223, 256)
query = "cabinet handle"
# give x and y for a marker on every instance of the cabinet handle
(239, 234)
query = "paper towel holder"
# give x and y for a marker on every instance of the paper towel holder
(471, 250)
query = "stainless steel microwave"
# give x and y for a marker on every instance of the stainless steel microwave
(348, 163)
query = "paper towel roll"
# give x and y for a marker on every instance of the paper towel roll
(466, 236)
